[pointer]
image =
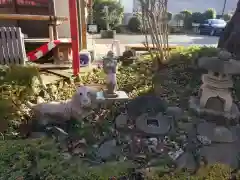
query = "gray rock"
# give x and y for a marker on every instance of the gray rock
(174, 155)
(185, 126)
(215, 133)
(36, 135)
(186, 161)
(121, 121)
(236, 132)
(224, 135)
(66, 156)
(175, 111)
(204, 140)
(158, 125)
(59, 133)
(224, 55)
(107, 149)
(225, 153)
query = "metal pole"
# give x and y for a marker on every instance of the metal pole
(74, 35)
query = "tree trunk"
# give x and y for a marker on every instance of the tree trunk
(230, 38)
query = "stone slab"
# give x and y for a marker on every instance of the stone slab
(122, 96)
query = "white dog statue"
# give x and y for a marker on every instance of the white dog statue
(77, 108)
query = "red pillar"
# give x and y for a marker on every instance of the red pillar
(74, 35)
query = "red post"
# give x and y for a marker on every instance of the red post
(74, 35)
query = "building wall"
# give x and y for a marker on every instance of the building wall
(128, 5)
(175, 6)
(62, 9)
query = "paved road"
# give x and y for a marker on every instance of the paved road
(173, 39)
(103, 45)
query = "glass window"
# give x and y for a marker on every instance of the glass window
(217, 21)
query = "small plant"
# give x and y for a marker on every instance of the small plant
(197, 17)
(187, 19)
(210, 14)
(227, 17)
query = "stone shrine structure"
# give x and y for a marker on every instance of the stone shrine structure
(215, 95)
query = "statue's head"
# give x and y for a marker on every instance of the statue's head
(110, 54)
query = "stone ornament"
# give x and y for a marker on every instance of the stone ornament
(110, 69)
(215, 96)
(156, 125)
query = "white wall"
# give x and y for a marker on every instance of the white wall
(128, 5)
(63, 10)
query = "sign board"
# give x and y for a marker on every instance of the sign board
(92, 28)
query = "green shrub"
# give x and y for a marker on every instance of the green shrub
(227, 17)
(197, 17)
(134, 24)
(210, 14)
(187, 19)
(41, 159)
(214, 172)
(115, 13)
(17, 84)
(120, 29)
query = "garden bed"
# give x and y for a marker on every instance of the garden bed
(45, 159)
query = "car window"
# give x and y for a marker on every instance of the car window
(217, 21)
(206, 22)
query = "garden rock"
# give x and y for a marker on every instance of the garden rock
(185, 126)
(59, 133)
(66, 156)
(225, 153)
(155, 125)
(36, 135)
(175, 111)
(107, 149)
(215, 133)
(145, 104)
(186, 161)
(121, 121)
(236, 132)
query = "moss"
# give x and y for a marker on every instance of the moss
(41, 159)
(213, 172)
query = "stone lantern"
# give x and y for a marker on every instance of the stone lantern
(215, 96)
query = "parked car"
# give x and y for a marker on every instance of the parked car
(212, 27)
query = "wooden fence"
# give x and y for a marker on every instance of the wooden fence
(33, 29)
(12, 49)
